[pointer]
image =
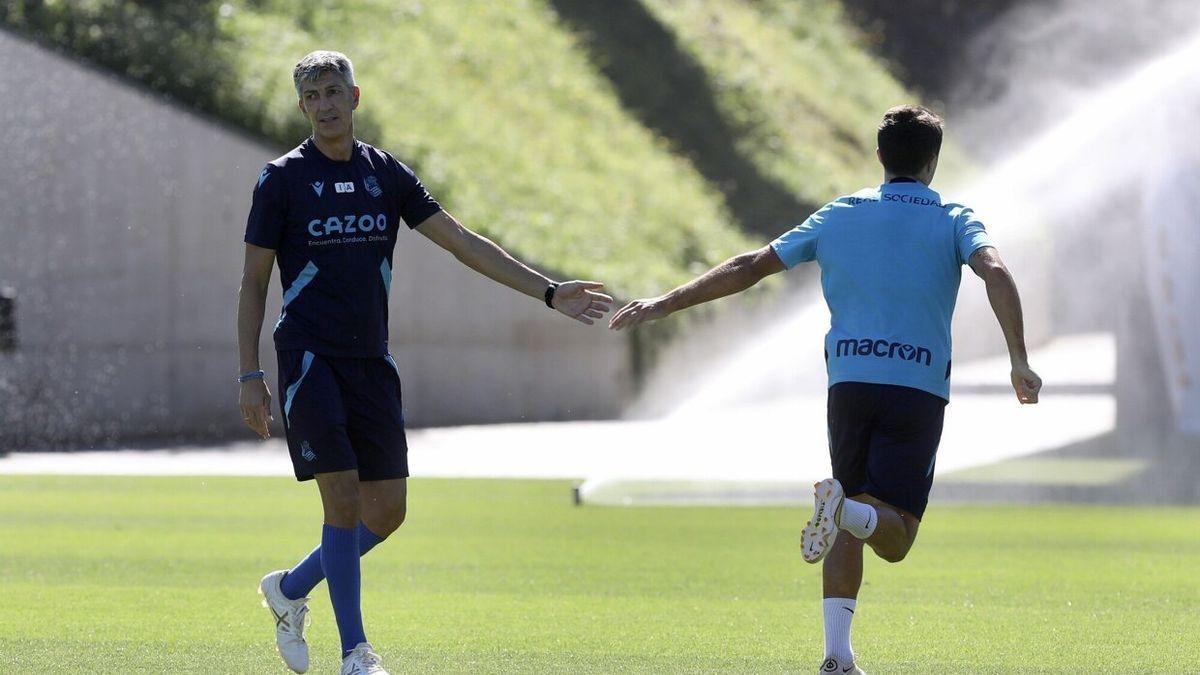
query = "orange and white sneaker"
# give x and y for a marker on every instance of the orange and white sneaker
(820, 532)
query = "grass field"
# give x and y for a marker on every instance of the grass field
(122, 575)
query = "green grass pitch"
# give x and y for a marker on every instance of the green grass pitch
(124, 575)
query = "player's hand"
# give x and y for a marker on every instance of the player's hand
(638, 312)
(1026, 383)
(582, 300)
(255, 401)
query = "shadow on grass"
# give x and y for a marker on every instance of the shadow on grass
(670, 93)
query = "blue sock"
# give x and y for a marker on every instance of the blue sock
(339, 558)
(305, 576)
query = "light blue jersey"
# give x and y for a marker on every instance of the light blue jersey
(891, 261)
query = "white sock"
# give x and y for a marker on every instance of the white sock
(859, 519)
(838, 614)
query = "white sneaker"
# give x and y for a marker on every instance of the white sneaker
(363, 661)
(820, 532)
(290, 621)
(832, 665)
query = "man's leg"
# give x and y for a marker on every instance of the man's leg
(304, 577)
(841, 576)
(313, 412)
(875, 432)
(895, 529)
(892, 538)
(850, 413)
(901, 460)
(890, 532)
(382, 506)
(339, 553)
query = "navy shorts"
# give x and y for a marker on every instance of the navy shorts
(342, 414)
(883, 441)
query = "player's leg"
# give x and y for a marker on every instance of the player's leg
(304, 577)
(339, 553)
(311, 410)
(900, 466)
(850, 414)
(850, 418)
(375, 426)
(381, 509)
(375, 415)
(383, 504)
(896, 531)
(842, 573)
(315, 423)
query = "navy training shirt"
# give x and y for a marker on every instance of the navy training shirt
(333, 226)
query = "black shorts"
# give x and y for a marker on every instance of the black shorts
(883, 441)
(341, 414)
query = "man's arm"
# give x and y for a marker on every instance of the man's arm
(580, 300)
(732, 276)
(255, 396)
(1006, 303)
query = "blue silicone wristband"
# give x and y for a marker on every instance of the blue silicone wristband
(252, 375)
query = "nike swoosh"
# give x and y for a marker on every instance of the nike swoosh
(848, 610)
(846, 670)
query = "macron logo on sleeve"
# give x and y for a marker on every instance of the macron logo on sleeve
(317, 187)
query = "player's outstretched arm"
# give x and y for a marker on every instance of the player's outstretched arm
(1006, 303)
(580, 300)
(732, 276)
(255, 396)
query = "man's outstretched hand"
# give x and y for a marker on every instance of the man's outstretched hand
(582, 300)
(638, 312)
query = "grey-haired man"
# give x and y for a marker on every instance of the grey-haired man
(329, 213)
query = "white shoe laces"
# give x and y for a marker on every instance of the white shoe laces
(367, 661)
(294, 620)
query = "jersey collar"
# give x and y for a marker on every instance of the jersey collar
(311, 145)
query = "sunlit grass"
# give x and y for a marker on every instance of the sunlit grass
(119, 575)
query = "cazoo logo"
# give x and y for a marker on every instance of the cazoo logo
(883, 349)
(348, 224)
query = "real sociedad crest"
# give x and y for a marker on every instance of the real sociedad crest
(372, 186)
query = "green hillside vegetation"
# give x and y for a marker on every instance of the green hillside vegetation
(513, 129)
(517, 127)
(794, 78)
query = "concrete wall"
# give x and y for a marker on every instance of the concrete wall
(120, 231)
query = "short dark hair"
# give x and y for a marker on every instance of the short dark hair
(909, 138)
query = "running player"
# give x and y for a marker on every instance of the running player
(330, 212)
(891, 258)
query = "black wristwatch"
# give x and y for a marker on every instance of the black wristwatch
(550, 294)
